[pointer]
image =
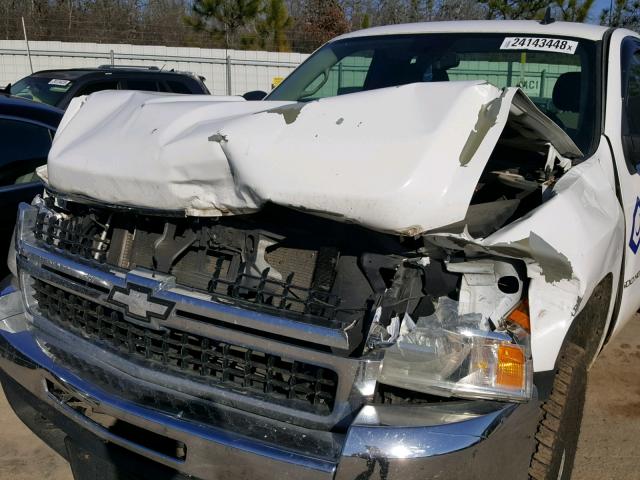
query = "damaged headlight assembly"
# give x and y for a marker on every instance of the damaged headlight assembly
(24, 231)
(464, 363)
(453, 353)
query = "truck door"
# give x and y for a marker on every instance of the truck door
(622, 127)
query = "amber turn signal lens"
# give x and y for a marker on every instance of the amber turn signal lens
(520, 316)
(511, 366)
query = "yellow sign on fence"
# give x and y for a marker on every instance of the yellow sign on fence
(275, 81)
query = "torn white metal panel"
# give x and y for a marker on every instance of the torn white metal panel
(400, 159)
(403, 159)
(148, 150)
(566, 254)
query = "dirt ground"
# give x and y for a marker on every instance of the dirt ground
(608, 446)
(608, 441)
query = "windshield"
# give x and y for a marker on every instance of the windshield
(41, 89)
(557, 74)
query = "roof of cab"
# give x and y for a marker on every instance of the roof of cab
(519, 27)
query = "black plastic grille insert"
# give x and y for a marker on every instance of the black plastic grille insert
(88, 236)
(266, 376)
(84, 236)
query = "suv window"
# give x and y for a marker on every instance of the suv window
(24, 146)
(177, 87)
(140, 84)
(561, 81)
(42, 89)
(97, 87)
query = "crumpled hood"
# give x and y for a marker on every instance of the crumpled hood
(402, 159)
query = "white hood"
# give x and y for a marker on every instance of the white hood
(403, 159)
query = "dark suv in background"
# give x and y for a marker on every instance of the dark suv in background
(58, 87)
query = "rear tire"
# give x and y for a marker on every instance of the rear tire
(561, 415)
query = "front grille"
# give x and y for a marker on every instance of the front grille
(266, 376)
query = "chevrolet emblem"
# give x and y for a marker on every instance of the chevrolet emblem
(138, 303)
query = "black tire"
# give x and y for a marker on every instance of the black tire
(561, 415)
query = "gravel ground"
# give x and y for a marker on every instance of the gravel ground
(608, 441)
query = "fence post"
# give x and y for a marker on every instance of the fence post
(112, 57)
(26, 41)
(228, 65)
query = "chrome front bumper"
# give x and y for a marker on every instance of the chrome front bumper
(450, 440)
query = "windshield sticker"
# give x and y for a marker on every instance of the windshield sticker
(60, 83)
(543, 44)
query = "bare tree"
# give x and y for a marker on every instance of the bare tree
(391, 12)
(459, 10)
(514, 9)
(322, 20)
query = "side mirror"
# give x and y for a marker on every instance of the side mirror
(7, 89)
(254, 95)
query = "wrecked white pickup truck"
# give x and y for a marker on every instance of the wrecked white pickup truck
(399, 265)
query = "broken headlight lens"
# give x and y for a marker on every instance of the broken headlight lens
(26, 220)
(460, 361)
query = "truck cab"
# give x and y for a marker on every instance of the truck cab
(400, 264)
